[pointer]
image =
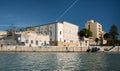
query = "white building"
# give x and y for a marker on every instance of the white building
(61, 33)
(84, 42)
(30, 38)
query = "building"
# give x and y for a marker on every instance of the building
(61, 33)
(84, 42)
(2, 33)
(31, 38)
(26, 38)
(96, 29)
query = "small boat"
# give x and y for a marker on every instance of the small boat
(93, 49)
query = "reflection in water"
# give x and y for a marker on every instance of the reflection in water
(68, 61)
(93, 61)
(36, 61)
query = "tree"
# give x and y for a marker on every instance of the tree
(11, 31)
(106, 36)
(85, 33)
(97, 40)
(112, 36)
(21, 29)
(30, 28)
(101, 40)
(114, 31)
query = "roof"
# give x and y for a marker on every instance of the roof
(54, 23)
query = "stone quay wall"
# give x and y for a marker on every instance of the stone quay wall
(43, 49)
(57, 49)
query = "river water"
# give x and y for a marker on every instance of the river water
(39, 61)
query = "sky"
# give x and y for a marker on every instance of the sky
(36, 12)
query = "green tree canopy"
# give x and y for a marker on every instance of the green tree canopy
(21, 29)
(97, 40)
(11, 31)
(107, 36)
(113, 31)
(85, 33)
(112, 36)
(30, 28)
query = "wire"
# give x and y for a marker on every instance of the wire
(67, 10)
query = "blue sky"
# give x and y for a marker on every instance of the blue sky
(36, 12)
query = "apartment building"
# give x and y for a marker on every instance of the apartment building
(96, 29)
(61, 33)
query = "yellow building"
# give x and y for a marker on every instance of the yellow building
(95, 28)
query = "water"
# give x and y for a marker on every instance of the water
(37, 61)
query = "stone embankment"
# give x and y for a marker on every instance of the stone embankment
(43, 49)
(108, 48)
(58, 49)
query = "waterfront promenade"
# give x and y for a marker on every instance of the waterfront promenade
(56, 49)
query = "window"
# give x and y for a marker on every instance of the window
(46, 32)
(86, 43)
(50, 33)
(50, 39)
(26, 41)
(31, 41)
(89, 27)
(36, 42)
(64, 40)
(41, 28)
(44, 42)
(71, 41)
(60, 32)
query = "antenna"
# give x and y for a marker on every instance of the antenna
(67, 10)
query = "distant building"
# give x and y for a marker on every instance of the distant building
(61, 33)
(27, 38)
(96, 29)
(31, 38)
(2, 33)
